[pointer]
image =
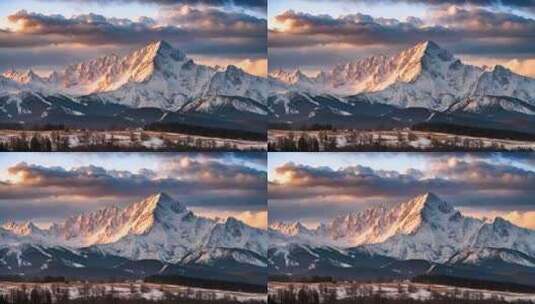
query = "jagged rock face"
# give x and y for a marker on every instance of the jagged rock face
(425, 228)
(424, 75)
(157, 227)
(156, 75)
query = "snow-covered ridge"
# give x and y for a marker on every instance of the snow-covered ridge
(425, 227)
(424, 75)
(156, 75)
(157, 227)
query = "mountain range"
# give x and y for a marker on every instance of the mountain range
(424, 235)
(422, 84)
(156, 83)
(157, 235)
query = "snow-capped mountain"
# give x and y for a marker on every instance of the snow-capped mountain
(424, 236)
(156, 228)
(424, 75)
(424, 228)
(156, 75)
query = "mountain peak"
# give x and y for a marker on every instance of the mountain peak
(289, 229)
(501, 70)
(429, 49)
(165, 49)
(164, 201)
(429, 45)
(21, 229)
(430, 201)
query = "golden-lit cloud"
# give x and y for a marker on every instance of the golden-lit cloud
(473, 180)
(202, 30)
(524, 67)
(476, 30)
(258, 219)
(524, 219)
(256, 67)
(219, 182)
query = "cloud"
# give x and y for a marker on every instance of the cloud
(204, 30)
(215, 22)
(256, 67)
(258, 219)
(477, 181)
(465, 30)
(480, 22)
(518, 4)
(524, 67)
(483, 175)
(215, 174)
(296, 29)
(524, 219)
(298, 181)
(197, 182)
(260, 5)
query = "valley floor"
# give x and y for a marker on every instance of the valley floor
(402, 140)
(77, 140)
(403, 290)
(126, 290)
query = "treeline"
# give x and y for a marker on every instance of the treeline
(367, 295)
(206, 131)
(365, 141)
(37, 143)
(304, 143)
(473, 131)
(99, 141)
(206, 283)
(57, 295)
(473, 283)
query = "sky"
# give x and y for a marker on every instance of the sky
(314, 188)
(314, 35)
(49, 35)
(47, 188)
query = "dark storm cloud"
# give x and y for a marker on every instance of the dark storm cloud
(197, 31)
